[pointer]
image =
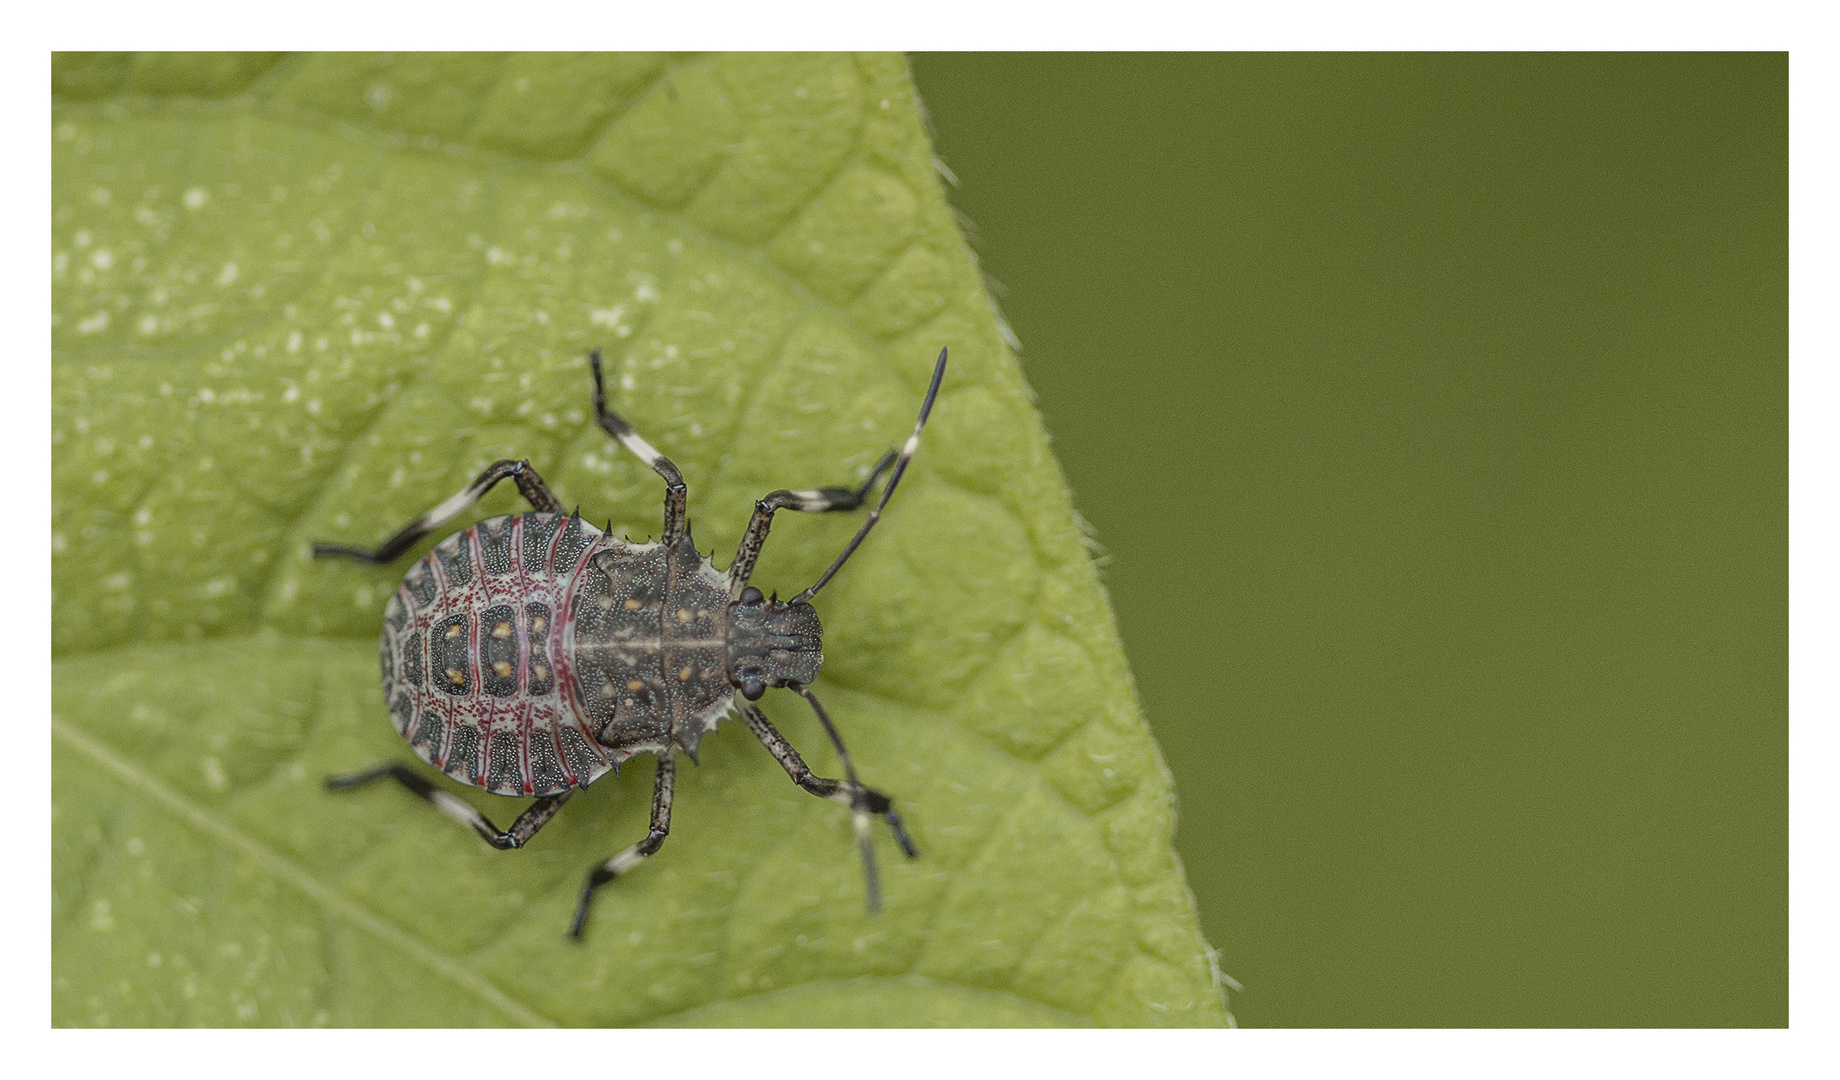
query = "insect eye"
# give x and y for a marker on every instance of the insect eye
(751, 596)
(752, 688)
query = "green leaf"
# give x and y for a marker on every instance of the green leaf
(307, 298)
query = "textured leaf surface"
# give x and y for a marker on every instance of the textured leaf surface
(307, 297)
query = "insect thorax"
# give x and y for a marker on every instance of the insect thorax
(645, 645)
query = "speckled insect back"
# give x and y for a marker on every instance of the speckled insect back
(468, 669)
(532, 653)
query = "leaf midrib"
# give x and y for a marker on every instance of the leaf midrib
(337, 903)
(286, 870)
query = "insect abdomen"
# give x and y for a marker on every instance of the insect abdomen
(469, 657)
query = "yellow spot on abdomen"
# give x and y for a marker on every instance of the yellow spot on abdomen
(633, 605)
(502, 631)
(684, 674)
(456, 676)
(683, 615)
(537, 624)
(454, 631)
(635, 685)
(502, 668)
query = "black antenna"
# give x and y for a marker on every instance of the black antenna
(900, 466)
(859, 809)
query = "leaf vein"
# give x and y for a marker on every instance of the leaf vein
(290, 873)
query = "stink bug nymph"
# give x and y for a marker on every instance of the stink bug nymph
(533, 653)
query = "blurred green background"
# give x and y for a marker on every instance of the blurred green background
(1433, 410)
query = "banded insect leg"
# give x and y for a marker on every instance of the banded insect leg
(675, 494)
(525, 827)
(819, 501)
(633, 856)
(529, 484)
(864, 801)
